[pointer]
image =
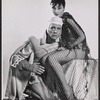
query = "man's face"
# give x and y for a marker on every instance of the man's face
(58, 10)
(54, 31)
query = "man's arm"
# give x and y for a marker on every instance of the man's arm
(35, 67)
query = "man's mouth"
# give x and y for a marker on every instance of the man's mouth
(54, 36)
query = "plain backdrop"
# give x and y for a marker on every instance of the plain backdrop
(24, 18)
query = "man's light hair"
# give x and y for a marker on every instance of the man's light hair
(54, 20)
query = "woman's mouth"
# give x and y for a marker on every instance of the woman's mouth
(56, 14)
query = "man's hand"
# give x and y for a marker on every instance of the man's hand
(38, 69)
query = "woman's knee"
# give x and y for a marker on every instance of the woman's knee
(51, 58)
(80, 54)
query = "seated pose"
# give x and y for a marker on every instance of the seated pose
(24, 65)
(73, 40)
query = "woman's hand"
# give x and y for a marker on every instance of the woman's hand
(61, 48)
(71, 45)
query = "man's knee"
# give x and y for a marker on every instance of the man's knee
(33, 39)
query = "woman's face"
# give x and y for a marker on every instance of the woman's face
(58, 10)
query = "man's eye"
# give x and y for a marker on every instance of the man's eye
(52, 27)
(59, 28)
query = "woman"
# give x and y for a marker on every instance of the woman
(73, 42)
(73, 37)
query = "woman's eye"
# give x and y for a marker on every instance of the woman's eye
(53, 7)
(59, 8)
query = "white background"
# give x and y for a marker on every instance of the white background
(24, 18)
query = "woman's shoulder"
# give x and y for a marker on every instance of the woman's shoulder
(67, 15)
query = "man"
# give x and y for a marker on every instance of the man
(23, 67)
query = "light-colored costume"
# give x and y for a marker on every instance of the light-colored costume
(18, 78)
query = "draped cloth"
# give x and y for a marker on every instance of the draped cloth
(18, 79)
(78, 74)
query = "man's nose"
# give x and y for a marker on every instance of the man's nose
(55, 31)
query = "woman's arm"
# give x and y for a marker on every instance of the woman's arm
(72, 24)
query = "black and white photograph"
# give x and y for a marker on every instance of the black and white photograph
(50, 50)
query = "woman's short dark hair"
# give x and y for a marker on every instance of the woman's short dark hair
(59, 2)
